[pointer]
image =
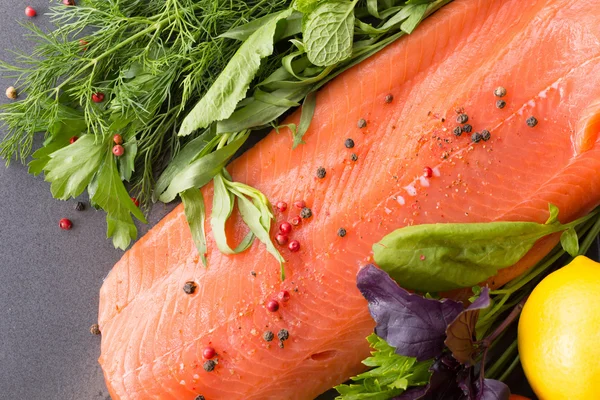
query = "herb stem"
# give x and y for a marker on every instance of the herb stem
(510, 368)
(509, 320)
(500, 362)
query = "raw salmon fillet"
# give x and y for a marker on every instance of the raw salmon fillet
(547, 56)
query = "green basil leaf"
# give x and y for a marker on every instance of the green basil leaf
(570, 242)
(109, 193)
(308, 111)
(553, 218)
(232, 84)
(195, 148)
(72, 168)
(329, 32)
(273, 99)
(254, 218)
(201, 171)
(439, 257)
(195, 214)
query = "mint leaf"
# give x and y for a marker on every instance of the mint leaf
(108, 192)
(232, 84)
(71, 169)
(390, 376)
(329, 32)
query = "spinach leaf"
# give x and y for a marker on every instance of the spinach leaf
(199, 172)
(439, 257)
(195, 214)
(232, 84)
(329, 32)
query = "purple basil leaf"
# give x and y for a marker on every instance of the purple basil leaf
(464, 380)
(461, 332)
(415, 326)
(415, 393)
(492, 390)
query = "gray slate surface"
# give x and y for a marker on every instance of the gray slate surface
(49, 279)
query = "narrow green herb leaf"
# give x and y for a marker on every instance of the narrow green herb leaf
(400, 16)
(71, 168)
(372, 7)
(127, 160)
(292, 25)
(195, 214)
(439, 257)
(201, 171)
(273, 99)
(308, 111)
(368, 29)
(109, 193)
(232, 84)
(329, 31)
(198, 147)
(570, 242)
(416, 16)
(258, 113)
(254, 218)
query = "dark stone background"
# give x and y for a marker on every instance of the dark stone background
(49, 279)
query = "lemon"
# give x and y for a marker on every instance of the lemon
(559, 333)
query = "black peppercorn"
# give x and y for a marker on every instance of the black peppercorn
(462, 118)
(500, 104)
(532, 121)
(485, 135)
(389, 98)
(283, 335)
(349, 143)
(341, 232)
(80, 206)
(500, 91)
(306, 213)
(354, 157)
(268, 336)
(281, 345)
(467, 128)
(199, 397)
(321, 173)
(457, 131)
(362, 123)
(95, 329)
(253, 273)
(476, 137)
(190, 287)
(209, 365)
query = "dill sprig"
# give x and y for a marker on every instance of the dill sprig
(151, 59)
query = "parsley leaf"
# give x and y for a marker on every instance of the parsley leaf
(71, 169)
(107, 191)
(391, 374)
